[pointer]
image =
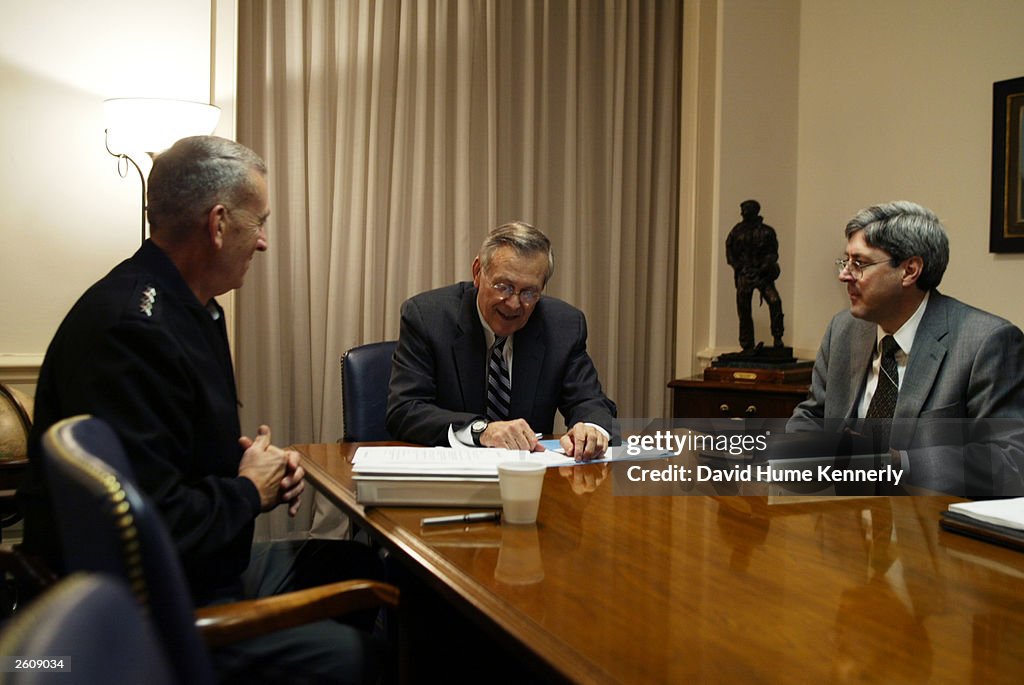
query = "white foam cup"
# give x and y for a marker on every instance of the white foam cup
(521, 483)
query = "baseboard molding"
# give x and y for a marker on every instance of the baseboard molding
(21, 371)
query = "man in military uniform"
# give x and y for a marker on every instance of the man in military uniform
(146, 350)
(752, 250)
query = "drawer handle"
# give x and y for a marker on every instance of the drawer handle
(724, 408)
(751, 410)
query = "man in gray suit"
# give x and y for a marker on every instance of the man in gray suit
(930, 369)
(487, 363)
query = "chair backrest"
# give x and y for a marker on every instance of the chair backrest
(90, 625)
(365, 375)
(108, 526)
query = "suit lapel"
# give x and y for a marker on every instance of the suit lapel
(926, 358)
(469, 353)
(527, 361)
(862, 348)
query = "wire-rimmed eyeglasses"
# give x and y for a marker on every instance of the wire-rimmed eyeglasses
(527, 296)
(855, 267)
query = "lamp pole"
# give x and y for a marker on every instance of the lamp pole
(123, 171)
(153, 124)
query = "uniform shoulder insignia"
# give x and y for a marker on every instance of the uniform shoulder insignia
(147, 300)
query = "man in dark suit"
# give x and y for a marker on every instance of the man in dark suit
(951, 368)
(487, 363)
(146, 350)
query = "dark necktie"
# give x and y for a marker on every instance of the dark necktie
(499, 383)
(883, 402)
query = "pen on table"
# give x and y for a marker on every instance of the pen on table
(557, 450)
(475, 517)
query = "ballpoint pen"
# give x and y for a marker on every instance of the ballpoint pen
(475, 517)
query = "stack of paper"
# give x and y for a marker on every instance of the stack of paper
(1000, 520)
(1000, 512)
(446, 461)
(435, 476)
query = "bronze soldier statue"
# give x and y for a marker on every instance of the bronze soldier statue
(752, 250)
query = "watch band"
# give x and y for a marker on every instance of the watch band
(476, 429)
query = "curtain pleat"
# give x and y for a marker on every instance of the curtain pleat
(398, 132)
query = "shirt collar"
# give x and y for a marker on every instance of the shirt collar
(908, 331)
(488, 333)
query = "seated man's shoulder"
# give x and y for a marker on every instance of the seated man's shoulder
(971, 321)
(440, 314)
(557, 318)
(970, 312)
(552, 306)
(123, 295)
(455, 291)
(449, 297)
(844, 322)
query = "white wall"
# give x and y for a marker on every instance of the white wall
(739, 140)
(896, 103)
(854, 104)
(67, 216)
(758, 131)
(887, 99)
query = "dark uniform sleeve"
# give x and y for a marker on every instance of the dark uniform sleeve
(140, 381)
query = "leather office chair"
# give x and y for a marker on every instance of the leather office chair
(365, 374)
(94, 626)
(107, 525)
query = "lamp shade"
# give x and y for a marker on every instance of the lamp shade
(153, 124)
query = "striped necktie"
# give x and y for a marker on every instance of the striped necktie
(499, 384)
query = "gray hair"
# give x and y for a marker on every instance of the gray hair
(523, 238)
(194, 175)
(904, 230)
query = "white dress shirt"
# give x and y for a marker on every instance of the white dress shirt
(905, 339)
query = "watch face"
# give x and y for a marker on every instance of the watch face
(479, 426)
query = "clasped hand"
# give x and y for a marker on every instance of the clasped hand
(277, 473)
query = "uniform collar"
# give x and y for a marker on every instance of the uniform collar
(156, 261)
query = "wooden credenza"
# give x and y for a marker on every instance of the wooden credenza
(696, 398)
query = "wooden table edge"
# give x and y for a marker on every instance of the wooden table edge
(554, 657)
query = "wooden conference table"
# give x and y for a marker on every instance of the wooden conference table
(719, 588)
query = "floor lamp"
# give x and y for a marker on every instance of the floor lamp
(138, 126)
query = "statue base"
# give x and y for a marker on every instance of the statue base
(757, 356)
(760, 365)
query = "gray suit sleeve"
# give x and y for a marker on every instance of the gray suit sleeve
(996, 386)
(990, 461)
(809, 415)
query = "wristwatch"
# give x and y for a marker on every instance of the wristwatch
(476, 429)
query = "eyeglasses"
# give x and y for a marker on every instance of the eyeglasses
(527, 296)
(856, 268)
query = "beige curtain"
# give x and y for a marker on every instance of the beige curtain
(398, 132)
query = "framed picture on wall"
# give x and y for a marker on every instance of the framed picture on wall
(1007, 229)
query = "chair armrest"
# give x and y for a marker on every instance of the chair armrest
(224, 624)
